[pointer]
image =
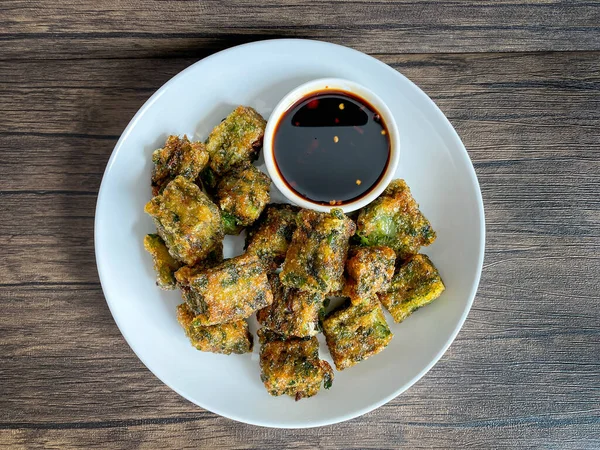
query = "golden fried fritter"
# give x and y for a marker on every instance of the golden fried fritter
(356, 332)
(369, 270)
(415, 284)
(214, 258)
(236, 139)
(164, 264)
(394, 220)
(227, 338)
(230, 291)
(230, 224)
(208, 179)
(292, 366)
(177, 157)
(270, 237)
(186, 219)
(315, 259)
(243, 193)
(293, 313)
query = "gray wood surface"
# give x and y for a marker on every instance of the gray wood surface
(151, 28)
(520, 81)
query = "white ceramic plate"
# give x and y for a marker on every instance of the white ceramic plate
(433, 161)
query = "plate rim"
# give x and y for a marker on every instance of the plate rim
(472, 179)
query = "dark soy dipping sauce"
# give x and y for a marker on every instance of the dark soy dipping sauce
(331, 147)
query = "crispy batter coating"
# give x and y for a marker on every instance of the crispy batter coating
(230, 224)
(315, 259)
(227, 338)
(415, 284)
(292, 366)
(236, 139)
(243, 193)
(293, 313)
(356, 332)
(209, 180)
(186, 219)
(214, 258)
(179, 156)
(394, 220)
(164, 264)
(270, 237)
(230, 291)
(369, 270)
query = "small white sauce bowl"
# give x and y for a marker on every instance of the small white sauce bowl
(319, 86)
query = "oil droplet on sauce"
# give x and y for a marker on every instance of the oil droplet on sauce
(321, 150)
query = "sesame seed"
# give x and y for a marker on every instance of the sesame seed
(336, 139)
(358, 182)
(342, 106)
(383, 132)
(332, 202)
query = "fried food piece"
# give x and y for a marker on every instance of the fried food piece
(230, 224)
(227, 338)
(369, 270)
(292, 366)
(186, 219)
(270, 237)
(356, 332)
(242, 195)
(415, 284)
(164, 264)
(236, 139)
(209, 179)
(177, 157)
(293, 313)
(394, 220)
(214, 258)
(315, 259)
(230, 291)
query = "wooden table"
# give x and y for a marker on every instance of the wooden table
(519, 80)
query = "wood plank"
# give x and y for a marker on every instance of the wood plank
(489, 388)
(47, 238)
(44, 163)
(99, 97)
(146, 28)
(376, 435)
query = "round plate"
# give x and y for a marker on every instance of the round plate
(433, 161)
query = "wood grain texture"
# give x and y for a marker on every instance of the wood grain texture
(525, 370)
(193, 28)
